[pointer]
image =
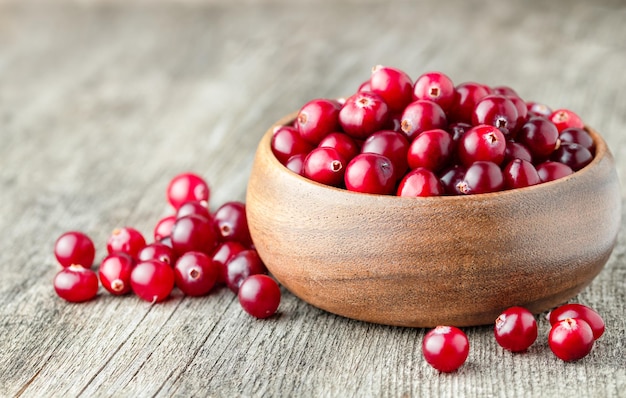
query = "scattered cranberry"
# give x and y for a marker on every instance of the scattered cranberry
(74, 247)
(76, 283)
(186, 187)
(157, 251)
(163, 227)
(420, 116)
(579, 311)
(152, 280)
(115, 272)
(325, 165)
(197, 207)
(259, 296)
(194, 233)
(232, 223)
(316, 119)
(126, 240)
(516, 329)
(363, 114)
(195, 273)
(370, 173)
(571, 339)
(222, 255)
(445, 348)
(241, 266)
(393, 85)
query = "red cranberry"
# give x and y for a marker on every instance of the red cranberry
(458, 130)
(481, 177)
(343, 143)
(577, 136)
(259, 296)
(466, 96)
(571, 339)
(420, 116)
(76, 283)
(325, 165)
(392, 145)
(516, 329)
(579, 311)
(520, 173)
(435, 87)
(365, 86)
(451, 178)
(222, 255)
(504, 90)
(431, 149)
(241, 266)
(296, 163)
(564, 119)
(287, 142)
(115, 272)
(127, 240)
(316, 119)
(515, 150)
(393, 85)
(574, 155)
(482, 142)
(522, 111)
(163, 228)
(536, 109)
(370, 173)
(232, 223)
(157, 251)
(152, 280)
(420, 182)
(74, 247)
(550, 171)
(200, 208)
(362, 114)
(186, 187)
(445, 348)
(195, 274)
(497, 111)
(540, 136)
(194, 233)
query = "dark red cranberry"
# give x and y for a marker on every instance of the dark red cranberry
(157, 251)
(466, 96)
(325, 165)
(520, 173)
(431, 149)
(420, 182)
(482, 142)
(241, 266)
(194, 233)
(550, 171)
(564, 119)
(515, 329)
(458, 130)
(195, 274)
(74, 247)
(498, 111)
(287, 142)
(296, 163)
(115, 272)
(199, 208)
(343, 143)
(504, 90)
(232, 223)
(579, 311)
(186, 187)
(420, 116)
(577, 136)
(392, 145)
(540, 136)
(536, 109)
(515, 150)
(259, 296)
(435, 87)
(316, 119)
(76, 283)
(163, 228)
(522, 111)
(222, 255)
(450, 179)
(394, 122)
(393, 85)
(152, 280)
(127, 240)
(362, 114)
(370, 173)
(574, 155)
(481, 177)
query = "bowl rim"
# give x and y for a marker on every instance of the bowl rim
(601, 151)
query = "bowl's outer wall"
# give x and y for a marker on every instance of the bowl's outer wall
(422, 262)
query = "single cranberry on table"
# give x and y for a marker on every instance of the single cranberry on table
(422, 115)
(194, 233)
(482, 142)
(420, 182)
(163, 227)
(571, 339)
(362, 114)
(391, 144)
(515, 329)
(114, 272)
(157, 251)
(445, 348)
(436, 87)
(326, 166)
(370, 173)
(579, 311)
(76, 283)
(195, 273)
(259, 295)
(316, 119)
(393, 85)
(126, 240)
(74, 247)
(241, 266)
(431, 149)
(152, 280)
(232, 223)
(186, 187)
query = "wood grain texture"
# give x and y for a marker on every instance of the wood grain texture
(102, 102)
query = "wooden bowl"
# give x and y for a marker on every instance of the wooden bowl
(422, 262)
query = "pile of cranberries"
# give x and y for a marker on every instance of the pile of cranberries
(430, 137)
(574, 329)
(193, 250)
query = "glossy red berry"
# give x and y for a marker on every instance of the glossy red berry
(564, 119)
(520, 173)
(316, 119)
(451, 179)
(115, 272)
(481, 177)
(370, 173)
(126, 240)
(522, 112)
(577, 136)
(343, 143)
(536, 109)
(498, 111)
(420, 116)
(232, 222)
(259, 296)
(435, 87)
(197, 207)
(163, 227)
(287, 142)
(571, 339)
(515, 150)
(579, 311)
(152, 280)
(482, 142)
(445, 348)
(296, 163)
(516, 329)
(393, 85)
(186, 187)
(76, 283)
(574, 155)
(222, 255)
(194, 233)
(241, 266)
(195, 273)
(420, 182)
(326, 166)
(391, 144)
(157, 251)
(550, 171)
(466, 96)
(362, 114)
(540, 136)
(432, 149)
(74, 247)
(505, 90)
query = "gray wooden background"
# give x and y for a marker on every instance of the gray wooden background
(101, 103)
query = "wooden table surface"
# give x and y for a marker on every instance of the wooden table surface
(101, 103)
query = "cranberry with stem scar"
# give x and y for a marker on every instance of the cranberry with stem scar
(420, 116)
(315, 120)
(515, 329)
(564, 119)
(126, 240)
(115, 272)
(241, 266)
(194, 233)
(232, 223)
(497, 111)
(481, 177)
(571, 339)
(435, 87)
(482, 142)
(157, 251)
(325, 165)
(583, 312)
(392, 145)
(195, 273)
(362, 114)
